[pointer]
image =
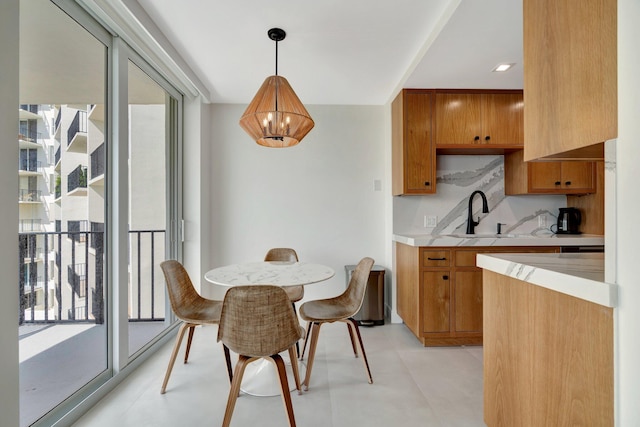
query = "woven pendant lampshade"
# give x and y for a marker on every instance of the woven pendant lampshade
(276, 117)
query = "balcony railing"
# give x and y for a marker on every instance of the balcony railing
(29, 225)
(81, 298)
(30, 136)
(29, 195)
(79, 124)
(27, 165)
(77, 178)
(97, 162)
(76, 230)
(57, 156)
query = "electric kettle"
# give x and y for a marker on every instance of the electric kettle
(568, 221)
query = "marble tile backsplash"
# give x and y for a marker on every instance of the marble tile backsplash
(457, 178)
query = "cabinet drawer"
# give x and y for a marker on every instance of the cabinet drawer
(466, 258)
(436, 258)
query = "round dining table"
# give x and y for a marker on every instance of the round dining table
(260, 379)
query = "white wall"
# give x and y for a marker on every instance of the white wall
(627, 347)
(9, 404)
(317, 197)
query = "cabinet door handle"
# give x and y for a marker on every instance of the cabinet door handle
(427, 183)
(436, 259)
(558, 183)
(567, 183)
(477, 138)
(486, 138)
(445, 277)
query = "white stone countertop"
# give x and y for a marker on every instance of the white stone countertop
(577, 274)
(540, 239)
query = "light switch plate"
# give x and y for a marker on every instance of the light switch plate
(542, 221)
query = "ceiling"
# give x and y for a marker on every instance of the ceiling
(337, 52)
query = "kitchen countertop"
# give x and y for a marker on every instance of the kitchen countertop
(576, 274)
(540, 239)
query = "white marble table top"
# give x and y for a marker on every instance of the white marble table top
(578, 275)
(269, 273)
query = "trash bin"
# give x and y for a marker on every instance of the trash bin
(372, 311)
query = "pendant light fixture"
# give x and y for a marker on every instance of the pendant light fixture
(276, 117)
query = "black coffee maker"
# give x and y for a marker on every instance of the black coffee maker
(568, 221)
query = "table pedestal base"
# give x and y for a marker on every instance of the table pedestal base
(261, 377)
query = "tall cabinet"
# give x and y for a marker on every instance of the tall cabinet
(414, 157)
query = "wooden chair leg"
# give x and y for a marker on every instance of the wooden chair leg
(315, 331)
(284, 387)
(192, 329)
(174, 354)
(354, 325)
(227, 358)
(294, 368)
(353, 340)
(306, 338)
(243, 361)
(297, 344)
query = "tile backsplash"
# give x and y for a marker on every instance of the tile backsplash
(459, 176)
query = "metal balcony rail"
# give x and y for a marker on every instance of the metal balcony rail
(57, 156)
(77, 178)
(97, 162)
(79, 124)
(75, 229)
(79, 297)
(28, 165)
(25, 195)
(28, 136)
(29, 225)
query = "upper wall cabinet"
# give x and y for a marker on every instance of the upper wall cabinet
(570, 77)
(413, 154)
(568, 177)
(465, 118)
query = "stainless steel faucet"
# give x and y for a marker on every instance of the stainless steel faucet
(471, 224)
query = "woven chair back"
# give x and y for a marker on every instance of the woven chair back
(182, 294)
(281, 254)
(353, 296)
(258, 321)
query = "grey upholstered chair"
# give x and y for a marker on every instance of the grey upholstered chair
(191, 308)
(257, 321)
(338, 309)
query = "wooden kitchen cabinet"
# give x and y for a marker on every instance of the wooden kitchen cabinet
(478, 118)
(551, 177)
(570, 77)
(439, 291)
(413, 153)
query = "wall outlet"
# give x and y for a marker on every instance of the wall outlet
(430, 221)
(542, 221)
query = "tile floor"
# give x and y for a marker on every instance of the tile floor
(413, 386)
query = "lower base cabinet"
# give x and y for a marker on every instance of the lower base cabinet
(439, 291)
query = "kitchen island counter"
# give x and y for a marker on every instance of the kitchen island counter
(574, 274)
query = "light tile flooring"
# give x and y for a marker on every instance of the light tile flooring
(413, 386)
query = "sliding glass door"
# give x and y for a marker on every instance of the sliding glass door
(70, 341)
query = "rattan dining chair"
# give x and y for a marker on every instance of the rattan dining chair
(192, 309)
(257, 321)
(337, 309)
(295, 293)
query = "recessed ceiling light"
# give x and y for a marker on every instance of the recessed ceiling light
(503, 67)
